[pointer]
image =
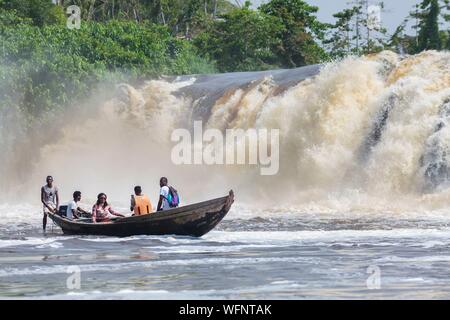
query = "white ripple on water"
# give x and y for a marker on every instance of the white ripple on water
(209, 249)
(425, 259)
(168, 239)
(37, 242)
(113, 267)
(423, 237)
(130, 294)
(276, 237)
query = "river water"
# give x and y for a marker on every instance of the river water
(251, 255)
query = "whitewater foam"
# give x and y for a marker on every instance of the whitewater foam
(355, 136)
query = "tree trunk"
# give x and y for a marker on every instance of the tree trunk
(91, 10)
(161, 12)
(215, 9)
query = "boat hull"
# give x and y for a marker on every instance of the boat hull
(192, 220)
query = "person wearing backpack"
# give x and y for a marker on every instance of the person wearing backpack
(168, 196)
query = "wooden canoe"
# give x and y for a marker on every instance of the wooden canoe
(192, 220)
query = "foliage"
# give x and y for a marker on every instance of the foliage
(299, 34)
(241, 41)
(340, 40)
(41, 12)
(44, 69)
(429, 15)
(177, 15)
(429, 26)
(354, 34)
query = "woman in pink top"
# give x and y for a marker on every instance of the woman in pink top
(101, 209)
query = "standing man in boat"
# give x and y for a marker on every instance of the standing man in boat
(163, 203)
(140, 203)
(49, 199)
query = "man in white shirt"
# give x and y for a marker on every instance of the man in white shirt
(163, 203)
(49, 199)
(72, 208)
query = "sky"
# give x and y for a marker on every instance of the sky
(395, 10)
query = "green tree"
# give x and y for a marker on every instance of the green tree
(41, 12)
(428, 37)
(46, 68)
(446, 17)
(178, 15)
(400, 42)
(241, 40)
(340, 41)
(182, 16)
(427, 17)
(368, 37)
(300, 33)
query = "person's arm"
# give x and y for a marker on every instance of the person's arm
(114, 213)
(57, 199)
(82, 210)
(43, 201)
(132, 203)
(42, 197)
(94, 214)
(74, 213)
(160, 202)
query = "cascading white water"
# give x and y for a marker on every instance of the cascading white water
(361, 133)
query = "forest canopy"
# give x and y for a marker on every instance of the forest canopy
(45, 65)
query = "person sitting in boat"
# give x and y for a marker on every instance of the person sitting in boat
(102, 209)
(140, 203)
(73, 210)
(49, 198)
(168, 196)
